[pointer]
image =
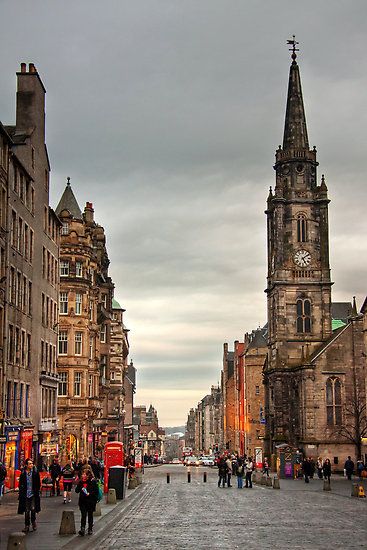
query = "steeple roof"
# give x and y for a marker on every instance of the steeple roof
(69, 202)
(295, 129)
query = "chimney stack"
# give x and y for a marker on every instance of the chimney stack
(23, 67)
(89, 212)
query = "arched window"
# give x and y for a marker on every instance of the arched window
(333, 402)
(301, 228)
(303, 316)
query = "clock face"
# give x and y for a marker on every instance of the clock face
(302, 258)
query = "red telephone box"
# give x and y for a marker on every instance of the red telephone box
(114, 455)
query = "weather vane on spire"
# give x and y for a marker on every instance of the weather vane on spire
(293, 43)
(68, 181)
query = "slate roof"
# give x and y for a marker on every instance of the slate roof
(258, 340)
(69, 202)
(341, 310)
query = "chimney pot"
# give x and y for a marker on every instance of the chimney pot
(23, 67)
(32, 68)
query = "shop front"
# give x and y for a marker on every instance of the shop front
(26, 446)
(11, 457)
(48, 450)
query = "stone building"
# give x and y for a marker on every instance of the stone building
(228, 387)
(254, 358)
(84, 335)
(29, 250)
(208, 423)
(152, 436)
(309, 366)
(190, 430)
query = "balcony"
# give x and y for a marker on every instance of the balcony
(72, 402)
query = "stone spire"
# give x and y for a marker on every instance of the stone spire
(295, 129)
(69, 202)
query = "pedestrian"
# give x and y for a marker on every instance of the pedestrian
(222, 472)
(249, 470)
(319, 467)
(349, 467)
(360, 468)
(68, 474)
(297, 464)
(29, 494)
(312, 467)
(306, 467)
(239, 473)
(326, 469)
(55, 473)
(88, 495)
(229, 471)
(3, 473)
(266, 467)
(96, 468)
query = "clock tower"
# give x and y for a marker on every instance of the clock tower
(298, 281)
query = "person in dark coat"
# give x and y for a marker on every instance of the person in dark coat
(349, 467)
(326, 469)
(307, 469)
(222, 471)
(88, 495)
(29, 494)
(55, 473)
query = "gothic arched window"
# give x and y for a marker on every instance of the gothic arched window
(301, 228)
(333, 402)
(303, 315)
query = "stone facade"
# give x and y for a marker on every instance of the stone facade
(309, 367)
(208, 425)
(92, 339)
(29, 250)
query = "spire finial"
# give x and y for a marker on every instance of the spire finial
(293, 43)
(67, 181)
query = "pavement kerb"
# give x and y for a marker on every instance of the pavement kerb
(103, 524)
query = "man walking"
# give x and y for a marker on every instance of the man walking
(349, 467)
(222, 472)
(29, 495)
(307, 468)
(55, 472)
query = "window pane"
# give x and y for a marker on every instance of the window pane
(337, 393)
(338, 415)
(299, 307)
(299, 324)
(329, 416)
(307, 324)
(307, 307)
(329, 393)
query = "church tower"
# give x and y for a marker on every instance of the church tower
(298, 281)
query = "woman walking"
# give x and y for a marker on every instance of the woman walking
(29, 495)
(68, 477)
(326, 469)
(239, 473)
(88, 496)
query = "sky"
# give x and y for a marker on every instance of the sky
(166, 115)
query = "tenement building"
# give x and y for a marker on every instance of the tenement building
(29, 241)
(90, 335)
(313, 373)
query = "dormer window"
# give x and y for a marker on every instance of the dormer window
(65, 228)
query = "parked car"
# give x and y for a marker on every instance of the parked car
(207, 460)
(176, 461)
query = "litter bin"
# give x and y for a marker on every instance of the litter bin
(117, 480)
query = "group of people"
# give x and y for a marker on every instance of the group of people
(85, 472)
(309, 468)
(232, 465)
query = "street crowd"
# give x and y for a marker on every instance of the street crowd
(240, 467)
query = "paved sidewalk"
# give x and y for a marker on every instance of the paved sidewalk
(48, 520)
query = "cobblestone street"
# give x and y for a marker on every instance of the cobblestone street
(198, 515)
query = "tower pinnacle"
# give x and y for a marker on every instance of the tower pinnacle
(295, 129)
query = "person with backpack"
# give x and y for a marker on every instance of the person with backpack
(239, 473)
(222, 472)
(68, 474)
(88, 496)
(3, 473)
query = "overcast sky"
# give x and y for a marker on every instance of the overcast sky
(166, 115)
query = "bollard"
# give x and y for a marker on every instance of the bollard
(327, 486)
(133, 483)
(16, 540)
(204, 477)
(269, 482)
(355, 490)
(67, 525)
(168, 479)
(98, 510)
(255, 477)
(263, 480)
(188, 477)
(276, 484)
(111, 496)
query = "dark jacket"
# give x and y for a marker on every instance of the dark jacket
(326, 469)
(349, 466)
(36, 487)
(88, 501)
(55, 470)
(222, 468)
(306, 467)
(67, 473)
